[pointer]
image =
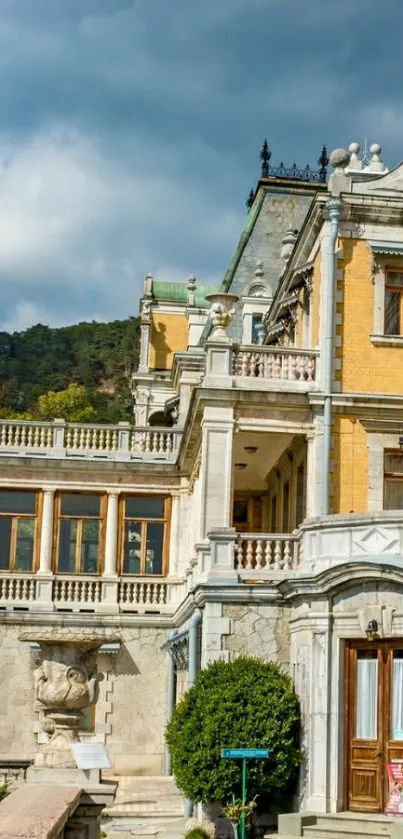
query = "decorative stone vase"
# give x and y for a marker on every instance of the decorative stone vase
(66, 683)
(221, 313)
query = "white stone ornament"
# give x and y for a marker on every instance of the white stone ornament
(221, 313)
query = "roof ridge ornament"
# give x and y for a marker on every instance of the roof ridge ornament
(265, 157)
(293, 172)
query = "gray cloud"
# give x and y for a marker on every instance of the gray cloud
(130, 132)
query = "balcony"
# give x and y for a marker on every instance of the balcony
(59, 439)
(140, 595)
(281, 367)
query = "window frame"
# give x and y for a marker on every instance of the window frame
(398, 291)
(15, 517)
(395, 477)
(382, 266)
(58, 517)
(166, 521)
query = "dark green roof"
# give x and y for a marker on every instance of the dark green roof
(177, 293)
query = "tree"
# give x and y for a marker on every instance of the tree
(70, 404)
(99, 356)
(247, 703)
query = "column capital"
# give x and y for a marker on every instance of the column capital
(113, 493)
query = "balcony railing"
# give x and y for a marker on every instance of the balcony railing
(96, 442)
(266, 552)
(79, 593)
(275, 363)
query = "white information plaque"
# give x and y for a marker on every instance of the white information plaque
(90, 756)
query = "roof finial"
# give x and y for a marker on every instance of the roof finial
(250, 199)
(355, 163)
(323, 162)
(376, 163)
(265, 156)
(191, 290)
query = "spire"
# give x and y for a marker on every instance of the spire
(323, 163)
(250, 198)
(265, 156)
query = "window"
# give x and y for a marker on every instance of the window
(144, 534)
(300, 500)
(18, 511)
(273, 514)
(393, 303)
(80, 533)
(286, 507)
(257, 325)
(393, 484)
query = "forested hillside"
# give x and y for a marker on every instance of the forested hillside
(79, 372)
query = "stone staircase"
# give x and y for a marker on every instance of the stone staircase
(142, 799)
(347, 825)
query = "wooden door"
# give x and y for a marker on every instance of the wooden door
(374, 715)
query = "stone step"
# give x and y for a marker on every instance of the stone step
(140, 797)
(356, 823)
(125, 828)
(341, 831)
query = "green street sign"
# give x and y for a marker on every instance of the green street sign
(238, 754)
(244, 755)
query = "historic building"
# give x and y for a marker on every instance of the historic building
(254, 507)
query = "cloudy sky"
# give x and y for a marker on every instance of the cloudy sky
(130, 132)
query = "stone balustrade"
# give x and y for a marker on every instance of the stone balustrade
(279, 364)
(266, 552)
(100, 442)
(82, 593)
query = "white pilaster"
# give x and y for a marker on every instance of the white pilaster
(111, 536)
(45, 555)
(216, 470)
(314, 474)
(318, 720)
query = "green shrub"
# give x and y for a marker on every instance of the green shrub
(196, 833)
(247, 703)
(3, 791)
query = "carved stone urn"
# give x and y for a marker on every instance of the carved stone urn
(66, 683)
(221, 313)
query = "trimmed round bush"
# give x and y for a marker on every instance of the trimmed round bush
(247, 703)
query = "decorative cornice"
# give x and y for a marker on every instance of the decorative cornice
(341, 576)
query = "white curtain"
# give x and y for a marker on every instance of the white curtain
(367, 699)
(397, 699)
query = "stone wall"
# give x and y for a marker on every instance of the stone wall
(135, 733)
(129, 716)
(17, 715)
(259, 630)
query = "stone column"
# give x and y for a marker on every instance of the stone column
(111, 536)
(110, 580)
(45, 555)
(216, 472)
